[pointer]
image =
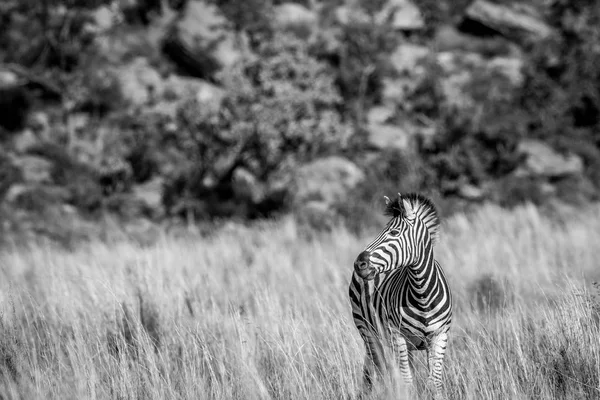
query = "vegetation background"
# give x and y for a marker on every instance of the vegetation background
(184, 186)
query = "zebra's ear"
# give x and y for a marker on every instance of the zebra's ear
(408, 209)
(387, 200)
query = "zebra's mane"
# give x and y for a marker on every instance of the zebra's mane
(423, 208)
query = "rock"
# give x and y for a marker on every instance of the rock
(379, 115)
(542, 160)
(181, 87)
(201, 42)
(459, 69)
(293, 15)
(39, 122)
(36, 197)
(509, 67)
(246, 186)
(34, 169)
(456, 75)
(24, 140)
(395, 90)
(407, 58)
(407, 61)
(140, 83)
(403, 15)
(10, 174)
(513, 21)
(8, 78)
(345, 15)
(150, 194)
(470, 192)
(388, 136)
(327, 180)
(104, 18)
(449, 38)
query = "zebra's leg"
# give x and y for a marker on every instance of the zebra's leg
(403, 357)
(435, 363)
(374, 365)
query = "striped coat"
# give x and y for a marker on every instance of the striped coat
(400, 297)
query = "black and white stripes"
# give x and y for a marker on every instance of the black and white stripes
(399, 294)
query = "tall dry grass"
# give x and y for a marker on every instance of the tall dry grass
(263, 313)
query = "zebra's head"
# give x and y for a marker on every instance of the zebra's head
(406, 239)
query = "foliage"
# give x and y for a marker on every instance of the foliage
(46, 34)
(9, 174)
(252, 17)
(472, 144)
(561, 94)
(280, 110)
(360, 54)
(390, 172)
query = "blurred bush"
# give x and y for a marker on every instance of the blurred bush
(130, 137)
(561, 94)
(46, 34)
(279, 111)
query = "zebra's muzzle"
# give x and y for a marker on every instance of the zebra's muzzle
(363, 267)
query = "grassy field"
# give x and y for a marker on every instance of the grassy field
(263, 313)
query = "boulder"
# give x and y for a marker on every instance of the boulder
(246, 186)
(327, 180)
(407, 58)
(456, 75)
(509, 67)
(471, 192)
(104, 18)
(24, 140)
(201, 42)
(140, 82)
(36, 197)
(459, 69)
(347, 14)
(181, 87)
(383, 134)
(380, 115)
(388, 136)
(39, 123)
(10, 174)
(293, 15)
(395, 90)
(543, 160)
(513, 21)
(8, 78)
(34, 169)
(450, 38)
(403, 15)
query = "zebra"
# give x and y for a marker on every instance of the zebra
(400, 297)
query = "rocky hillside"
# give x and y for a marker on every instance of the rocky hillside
(146, 112)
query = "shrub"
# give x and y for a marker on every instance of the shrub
(561, 94)
(46, 34)
(251, 16)
(391, 172)
(280, 110)
(9, 174)
(360, 52)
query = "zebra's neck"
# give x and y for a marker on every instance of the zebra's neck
(422, 274)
